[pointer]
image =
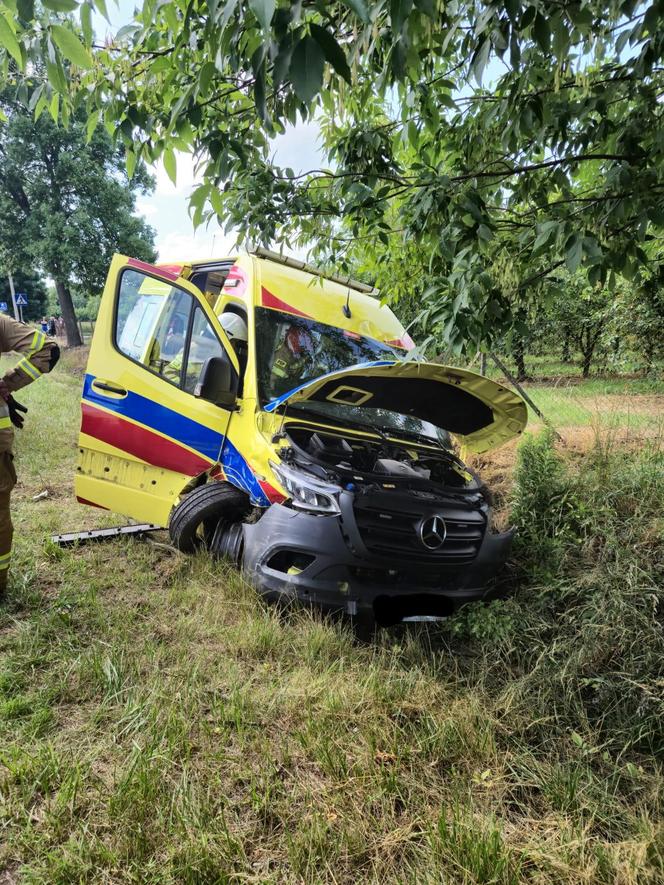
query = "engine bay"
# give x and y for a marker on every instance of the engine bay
(340, 457)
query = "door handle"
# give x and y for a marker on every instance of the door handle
(108, 388)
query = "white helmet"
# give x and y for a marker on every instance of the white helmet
(234, 326)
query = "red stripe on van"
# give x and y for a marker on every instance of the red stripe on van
(90, 503)
(273, 496)
(140, 442)
(405, 342)
(152, 268)
(270, 300)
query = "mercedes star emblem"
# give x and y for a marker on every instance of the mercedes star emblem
(433, 532)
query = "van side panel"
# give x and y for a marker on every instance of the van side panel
(142, 438)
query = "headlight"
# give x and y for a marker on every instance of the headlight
(307, 492)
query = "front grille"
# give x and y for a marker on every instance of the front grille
(388, 530)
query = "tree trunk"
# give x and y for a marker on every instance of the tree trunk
(518, 351)
(68, 314)
(566, 354)
(587, 346)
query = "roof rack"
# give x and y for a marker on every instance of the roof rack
(260, 252)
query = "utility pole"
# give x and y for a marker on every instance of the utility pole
(13, 291)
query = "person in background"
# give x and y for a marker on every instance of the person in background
(44, 325)
(40, 355)
(51, 327)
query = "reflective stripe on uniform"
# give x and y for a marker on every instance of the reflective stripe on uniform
(4, 561)
(5, 423)
(38, 341)
(29, 368)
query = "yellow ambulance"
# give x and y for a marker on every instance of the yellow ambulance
(276, 416)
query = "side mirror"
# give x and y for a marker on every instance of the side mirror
(217, 382)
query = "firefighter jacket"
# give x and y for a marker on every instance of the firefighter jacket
(40, 355)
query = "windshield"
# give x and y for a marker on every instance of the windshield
(293, 350)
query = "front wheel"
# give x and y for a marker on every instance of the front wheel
(193, 522)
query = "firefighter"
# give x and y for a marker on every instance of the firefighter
(40, 355)
(293, 359)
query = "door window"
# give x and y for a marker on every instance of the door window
(152, 319)
(203, 345)
(155, 327)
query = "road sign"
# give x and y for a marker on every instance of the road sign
(3, 305)
(21, 299)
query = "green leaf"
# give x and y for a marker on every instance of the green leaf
(480, 58)
(258, 66)
(360, 9)
(9, 41)
(399, 12)
(91, 125)
(130, 160)
(54, 107)
(26, 9)
(426, 7)
(71, 47)
(170, 164)
(205, 76)
(217, 200)
(40, 107)
(56, 76)
(86, 23)
(527, 18)
(101, 6)
(263, 10)
(573, 252)
(306, 69)
(333, 52)
(542, 32)
(61, 5)
(283, 60)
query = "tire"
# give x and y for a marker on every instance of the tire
(194, 520)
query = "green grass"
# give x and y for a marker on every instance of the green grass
(159, 724)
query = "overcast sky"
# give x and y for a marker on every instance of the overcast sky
(166, 209)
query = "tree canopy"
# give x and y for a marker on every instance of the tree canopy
(474, 149)
(66, 203)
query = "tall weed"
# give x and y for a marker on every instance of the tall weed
(581, 641)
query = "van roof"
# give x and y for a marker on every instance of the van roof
(291, 286)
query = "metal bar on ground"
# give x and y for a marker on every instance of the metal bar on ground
(503, 368)
(69, 539)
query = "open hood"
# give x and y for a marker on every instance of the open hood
(480, 413)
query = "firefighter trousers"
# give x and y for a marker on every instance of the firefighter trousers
(7, 483)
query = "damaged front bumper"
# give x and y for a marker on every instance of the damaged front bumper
(334, 563)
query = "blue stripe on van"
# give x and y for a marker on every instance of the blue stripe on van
(172, 424)
(186, 431)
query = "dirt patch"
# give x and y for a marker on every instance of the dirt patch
(497, 468)
(641, 403)
(575, 380)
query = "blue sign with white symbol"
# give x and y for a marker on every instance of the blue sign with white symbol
(3, 305)
(21, 299)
